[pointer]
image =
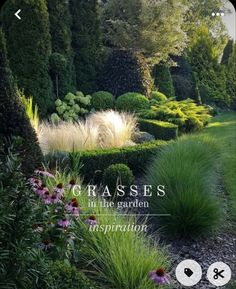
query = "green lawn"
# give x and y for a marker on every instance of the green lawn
(223, 129)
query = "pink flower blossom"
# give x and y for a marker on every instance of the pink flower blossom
(92, 221)
(35, 182)
(59, 189)
(64, 223)
(41, 191)
(73, 207)
(159, 276)
(43, 172)
(55, 199)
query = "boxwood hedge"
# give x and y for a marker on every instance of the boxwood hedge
(159, 129)
(94, 162)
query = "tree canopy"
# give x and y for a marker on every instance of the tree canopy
(148, 26)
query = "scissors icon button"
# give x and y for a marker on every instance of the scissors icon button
(219, 274)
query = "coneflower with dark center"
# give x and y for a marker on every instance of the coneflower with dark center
(72, 183)
(73, 207)
(42, 172)
(59, 189)
(92, 221)
(159, 276)
(64, 223)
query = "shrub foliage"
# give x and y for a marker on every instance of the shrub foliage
(186, 114)
(61, 60)
(125, 71)
(117, 174)
(96, 161)
(102, 100)
(86, 43)
(159, 129)
(132, 101)
(29, 49)
(13, 119)
(163, 80)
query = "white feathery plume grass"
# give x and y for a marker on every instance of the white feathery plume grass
(104, 129)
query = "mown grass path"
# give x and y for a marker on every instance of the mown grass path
(222, 128)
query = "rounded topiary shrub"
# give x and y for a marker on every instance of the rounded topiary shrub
(126, 71)
(158, 96)
(132, 101)
(117, 174)
(102, 100)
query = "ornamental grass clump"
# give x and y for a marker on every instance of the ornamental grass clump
(106, 129)
(188, 169)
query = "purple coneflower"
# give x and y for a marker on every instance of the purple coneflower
(64, 223)
(59, 189)
(41, 191)
(47, 198)
(73, 207)
(72, 183)
(91, 220)
(55, 199)
(43, 172)
(159, 276)
(35, 182)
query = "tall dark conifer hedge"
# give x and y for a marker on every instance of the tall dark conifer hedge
(61, 60)
(126, 71)
(13, 120)
(86, 42)
(227, 52)
(29, 48)
(163, 79)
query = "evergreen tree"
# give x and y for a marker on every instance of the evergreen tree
(14, 122)
(29, 48)
(86, 43)
(61, 60)
(203, 57)
(199, 13)
(125, 71)
(184, 80)
(163, 79)
(153, 28)
(231, 77)
(227, 52)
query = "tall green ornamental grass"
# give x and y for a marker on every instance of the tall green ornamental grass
(188, 169)
(31, 111)
(117, 260)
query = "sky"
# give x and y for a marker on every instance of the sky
(230, 20)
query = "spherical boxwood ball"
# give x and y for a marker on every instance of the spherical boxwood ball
(117, 174)
(102, 100)
(132, 101)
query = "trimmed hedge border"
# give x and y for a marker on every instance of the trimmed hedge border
(159, 129)
(96, 161)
